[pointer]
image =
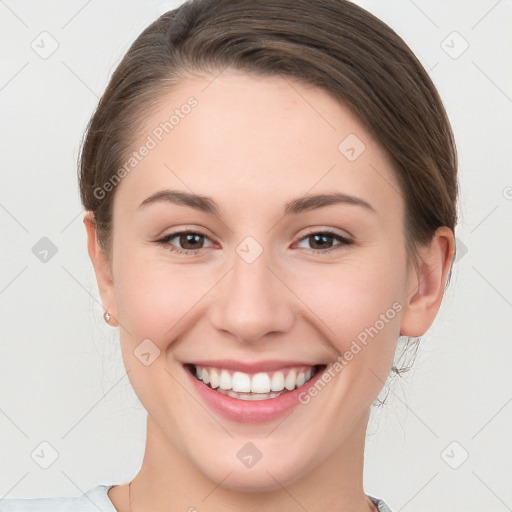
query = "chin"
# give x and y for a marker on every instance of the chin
(256, 481)
(269, 473)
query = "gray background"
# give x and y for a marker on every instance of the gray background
(62, 380)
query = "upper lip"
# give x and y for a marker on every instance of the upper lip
(251, 367)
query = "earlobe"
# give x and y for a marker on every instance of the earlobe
(102, 268)
(427, 282)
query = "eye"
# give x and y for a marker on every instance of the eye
(324, 241)
(186, 241)
(190, 242)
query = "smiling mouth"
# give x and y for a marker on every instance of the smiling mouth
(256, 386)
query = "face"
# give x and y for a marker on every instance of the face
(268, 287)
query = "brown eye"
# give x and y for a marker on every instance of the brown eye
(190, 240)
(321, 241)
(324, 241)
(184, 241)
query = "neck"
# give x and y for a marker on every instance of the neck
(168, 481)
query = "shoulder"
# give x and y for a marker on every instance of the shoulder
(91, 501)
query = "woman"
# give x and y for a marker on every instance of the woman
(270, 195)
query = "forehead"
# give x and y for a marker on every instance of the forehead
(245, 138)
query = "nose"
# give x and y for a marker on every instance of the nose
(252, 302)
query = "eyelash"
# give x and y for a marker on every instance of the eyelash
(165, 242)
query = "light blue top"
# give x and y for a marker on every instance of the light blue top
(94, 500)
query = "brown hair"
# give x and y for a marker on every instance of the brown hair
(332, 44)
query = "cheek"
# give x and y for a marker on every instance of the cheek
(157, 302)
(155, 298)
(359, 303)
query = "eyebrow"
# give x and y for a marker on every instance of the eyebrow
(208, 205)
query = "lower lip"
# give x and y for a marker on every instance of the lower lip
(248, 411)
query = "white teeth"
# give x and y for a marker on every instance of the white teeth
(260, 383)
(266, 385)
(214, 378)
(225, 380)
(249, 396)
(277, 382)
(289, 382)
(241, 382)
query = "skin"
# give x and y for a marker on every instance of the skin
(253, 144)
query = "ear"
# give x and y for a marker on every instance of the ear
(102, 268)
(427, 282)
